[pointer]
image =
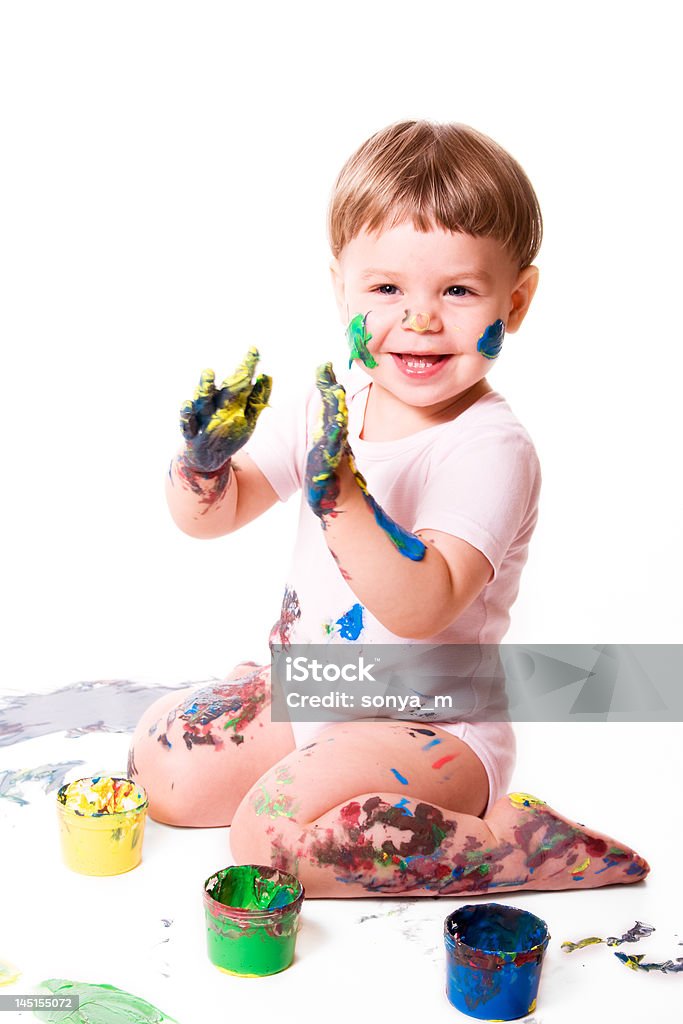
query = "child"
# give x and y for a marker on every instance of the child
(419, 497)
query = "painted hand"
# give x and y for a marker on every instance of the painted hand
(218, 421)
(329, 445)
(326, 464)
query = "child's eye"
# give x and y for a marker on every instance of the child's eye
(460, 289)
(381, 288)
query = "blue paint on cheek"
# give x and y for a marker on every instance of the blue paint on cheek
(351, 623)
(491, 341)
(401, 778)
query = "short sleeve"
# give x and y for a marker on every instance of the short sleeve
(278, 445)
(485, 491)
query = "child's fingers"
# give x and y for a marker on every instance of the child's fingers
(331, 391)
(258, 398)
(189, 425)
(324, 376)
(240, 381)
(333, 417)
(334, 408)
(207, 385)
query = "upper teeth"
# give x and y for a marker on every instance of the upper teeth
(419, 364)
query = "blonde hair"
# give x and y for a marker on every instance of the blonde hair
(446, 175)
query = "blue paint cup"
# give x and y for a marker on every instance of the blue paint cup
(494, 955)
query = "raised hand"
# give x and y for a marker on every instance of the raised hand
(329, 445)
(324, 467)
(219, 421)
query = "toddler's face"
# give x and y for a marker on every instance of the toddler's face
(436, 305)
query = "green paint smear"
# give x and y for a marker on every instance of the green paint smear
(244, 886)
(358, 338)
(100, 1004)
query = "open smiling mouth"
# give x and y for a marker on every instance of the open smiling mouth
(419, 365)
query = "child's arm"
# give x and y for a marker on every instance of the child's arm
(211, 505)
(413, 599)
(210, 493)
(414, 585)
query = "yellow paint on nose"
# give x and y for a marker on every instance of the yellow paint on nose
(418, 322)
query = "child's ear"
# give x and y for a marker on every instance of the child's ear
(338, 286)
(520, 298)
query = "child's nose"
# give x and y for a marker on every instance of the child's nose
(420, 322)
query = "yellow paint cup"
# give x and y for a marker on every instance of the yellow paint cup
(101, 824)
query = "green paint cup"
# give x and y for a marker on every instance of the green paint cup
(252, 918)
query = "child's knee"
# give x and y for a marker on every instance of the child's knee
(197, 751)
(149, 762)
(253, 839)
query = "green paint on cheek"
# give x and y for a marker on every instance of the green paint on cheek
(358, 338)
(100, 1004)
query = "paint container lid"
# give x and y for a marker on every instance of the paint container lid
(488, 935)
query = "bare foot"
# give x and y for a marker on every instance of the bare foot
(556, 853)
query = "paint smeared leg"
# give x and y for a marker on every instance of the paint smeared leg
(386, 844)
(198, 751)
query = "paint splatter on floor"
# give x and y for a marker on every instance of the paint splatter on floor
(640, 930)
(51, 775)
(8, 973)
(101, 1004)
(635, 962)
(78, 709)
(389, 913)
(592, 940)
(164, 967)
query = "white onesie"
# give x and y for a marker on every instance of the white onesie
(476, 477)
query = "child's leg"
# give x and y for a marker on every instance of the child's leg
(364, 811)
(197, 751)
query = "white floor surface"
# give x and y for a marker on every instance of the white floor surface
(356, 959)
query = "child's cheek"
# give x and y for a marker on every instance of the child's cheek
(384, 326)
(366, 333)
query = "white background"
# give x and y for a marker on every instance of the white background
(164, 178)
(164, 184)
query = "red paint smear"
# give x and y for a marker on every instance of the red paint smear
(444, 760)
(350, 814)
